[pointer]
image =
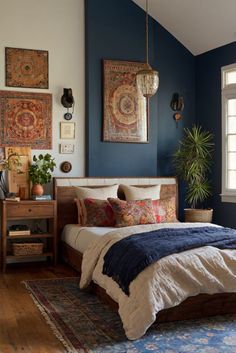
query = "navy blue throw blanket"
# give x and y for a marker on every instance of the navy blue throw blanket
(130, 256)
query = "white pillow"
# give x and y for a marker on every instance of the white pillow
(140, 193)
(101, 193)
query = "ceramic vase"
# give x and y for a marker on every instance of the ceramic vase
(37, 189)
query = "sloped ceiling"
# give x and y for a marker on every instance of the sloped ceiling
(200, 25)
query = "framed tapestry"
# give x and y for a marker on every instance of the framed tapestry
(26, 68)
(26, 119)
(125, 116)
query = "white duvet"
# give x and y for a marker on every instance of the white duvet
(163, 284)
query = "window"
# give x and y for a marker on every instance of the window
(228, 133)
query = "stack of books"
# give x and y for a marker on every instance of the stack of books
(13, 198)
(18, 229)
(41, 198)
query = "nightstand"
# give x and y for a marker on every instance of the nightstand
(25, 211)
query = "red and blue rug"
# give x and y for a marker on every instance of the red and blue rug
(84, 325)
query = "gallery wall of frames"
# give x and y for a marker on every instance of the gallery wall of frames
(34, 70)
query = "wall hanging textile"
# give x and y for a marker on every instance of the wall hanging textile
(26, 119)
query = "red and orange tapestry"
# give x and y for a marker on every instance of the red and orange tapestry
(125, 112)
(26, 119)
(26, 68)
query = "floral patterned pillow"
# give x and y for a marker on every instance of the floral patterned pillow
(96, 213)
(165, 210)
(130, 213)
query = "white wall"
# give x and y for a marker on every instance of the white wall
(56, 26)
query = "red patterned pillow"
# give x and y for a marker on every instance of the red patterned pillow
(99, 193)
(130, 213)
(96, 213)
(165, 210)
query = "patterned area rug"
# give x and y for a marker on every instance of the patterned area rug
(84, 325)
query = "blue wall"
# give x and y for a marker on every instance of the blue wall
(116, 30)
(208, 114)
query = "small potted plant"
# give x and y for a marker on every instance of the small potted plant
(40, 172)
(192, 163)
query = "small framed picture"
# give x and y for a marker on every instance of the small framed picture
(67, 148)
(67, 131)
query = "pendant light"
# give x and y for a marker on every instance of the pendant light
(147, 79)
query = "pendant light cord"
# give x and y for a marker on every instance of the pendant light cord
(147, 32)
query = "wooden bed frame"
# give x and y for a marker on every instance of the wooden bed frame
(202, 305)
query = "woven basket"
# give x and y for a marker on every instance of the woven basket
(21, 249)
(198, 215)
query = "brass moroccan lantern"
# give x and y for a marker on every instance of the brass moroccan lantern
(147, 79)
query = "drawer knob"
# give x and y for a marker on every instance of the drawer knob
(30, 210)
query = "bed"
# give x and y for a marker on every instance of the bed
(198, 305)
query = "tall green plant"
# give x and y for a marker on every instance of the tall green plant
(192, 162)
(41, 169)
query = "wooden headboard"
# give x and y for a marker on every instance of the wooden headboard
(64, 192)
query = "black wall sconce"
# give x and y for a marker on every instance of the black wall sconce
(177, 105)
(67, 100)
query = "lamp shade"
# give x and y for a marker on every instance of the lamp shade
(147, 82)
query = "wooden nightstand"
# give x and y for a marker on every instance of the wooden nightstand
(29, 210)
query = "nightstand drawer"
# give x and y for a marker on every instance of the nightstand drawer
(38, 210)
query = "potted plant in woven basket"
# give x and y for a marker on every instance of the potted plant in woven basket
(192, 162)
(40, 172)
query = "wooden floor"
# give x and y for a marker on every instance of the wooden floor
(22, 328)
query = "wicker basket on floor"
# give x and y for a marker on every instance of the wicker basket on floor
(198, 215)
(22, 249)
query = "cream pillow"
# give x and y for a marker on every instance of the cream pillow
(101, 193)
(140, 193)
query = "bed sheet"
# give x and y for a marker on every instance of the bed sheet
(80, 238)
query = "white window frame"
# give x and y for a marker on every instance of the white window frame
(228, 91)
